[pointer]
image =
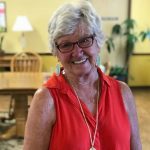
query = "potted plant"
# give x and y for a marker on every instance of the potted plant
(145, 34)
(1, 43)
(126, 30)
(118, 73)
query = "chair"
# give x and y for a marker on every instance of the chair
(26, 62)
(23, 62)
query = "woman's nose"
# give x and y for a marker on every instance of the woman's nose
(77, 51)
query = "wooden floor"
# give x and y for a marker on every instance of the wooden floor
(142, 99)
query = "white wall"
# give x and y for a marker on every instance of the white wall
(112, 12)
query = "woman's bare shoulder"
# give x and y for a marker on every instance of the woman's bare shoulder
(41, 118)
(42, 92)
(127, 95)
(42, 102)
(42, 97)
(126, 91)
(130, 106)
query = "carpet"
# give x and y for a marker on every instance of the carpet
(11, 144)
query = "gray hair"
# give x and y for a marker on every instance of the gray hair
(66, 18)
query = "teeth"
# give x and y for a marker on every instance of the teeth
(80, 61)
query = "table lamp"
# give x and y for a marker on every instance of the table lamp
(22, 25)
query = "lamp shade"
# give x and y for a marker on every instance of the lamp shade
(22, 24)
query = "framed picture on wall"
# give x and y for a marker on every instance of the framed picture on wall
(3, 17)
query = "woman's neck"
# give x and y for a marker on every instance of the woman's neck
(84, 80)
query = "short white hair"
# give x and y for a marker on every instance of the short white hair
(66, 18)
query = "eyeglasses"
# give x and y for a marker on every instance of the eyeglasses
(82, 43)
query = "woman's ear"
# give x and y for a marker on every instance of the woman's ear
(97, 46)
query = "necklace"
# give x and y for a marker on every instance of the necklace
(83, 114)
(79, 82)
(90, 96)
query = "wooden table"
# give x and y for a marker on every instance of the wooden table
(20, 86)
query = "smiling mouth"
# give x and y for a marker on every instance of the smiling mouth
(80, 61)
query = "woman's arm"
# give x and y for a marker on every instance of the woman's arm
(131, 110)
(41, 118)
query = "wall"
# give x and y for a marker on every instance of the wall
(139, 74)
(112, 12)
(39, 13)
(49, 63)
(140, 12)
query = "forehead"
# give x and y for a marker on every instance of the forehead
(81, 31)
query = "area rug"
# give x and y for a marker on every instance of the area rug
(12, 144)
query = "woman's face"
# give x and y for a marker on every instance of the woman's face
(79, 61)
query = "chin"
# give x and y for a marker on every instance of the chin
(82, 71)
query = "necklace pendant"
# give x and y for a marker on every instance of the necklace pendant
(92, 148)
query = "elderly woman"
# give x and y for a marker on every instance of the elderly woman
(80, 108)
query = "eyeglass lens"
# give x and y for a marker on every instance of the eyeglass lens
(82, 43)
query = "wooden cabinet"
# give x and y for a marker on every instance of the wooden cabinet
(139, 70)
(5, 60)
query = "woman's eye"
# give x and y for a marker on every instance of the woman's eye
(85, 40)
(65, 45)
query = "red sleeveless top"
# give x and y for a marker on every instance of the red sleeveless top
(70, 131)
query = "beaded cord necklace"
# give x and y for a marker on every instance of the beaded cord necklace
(83, 114)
